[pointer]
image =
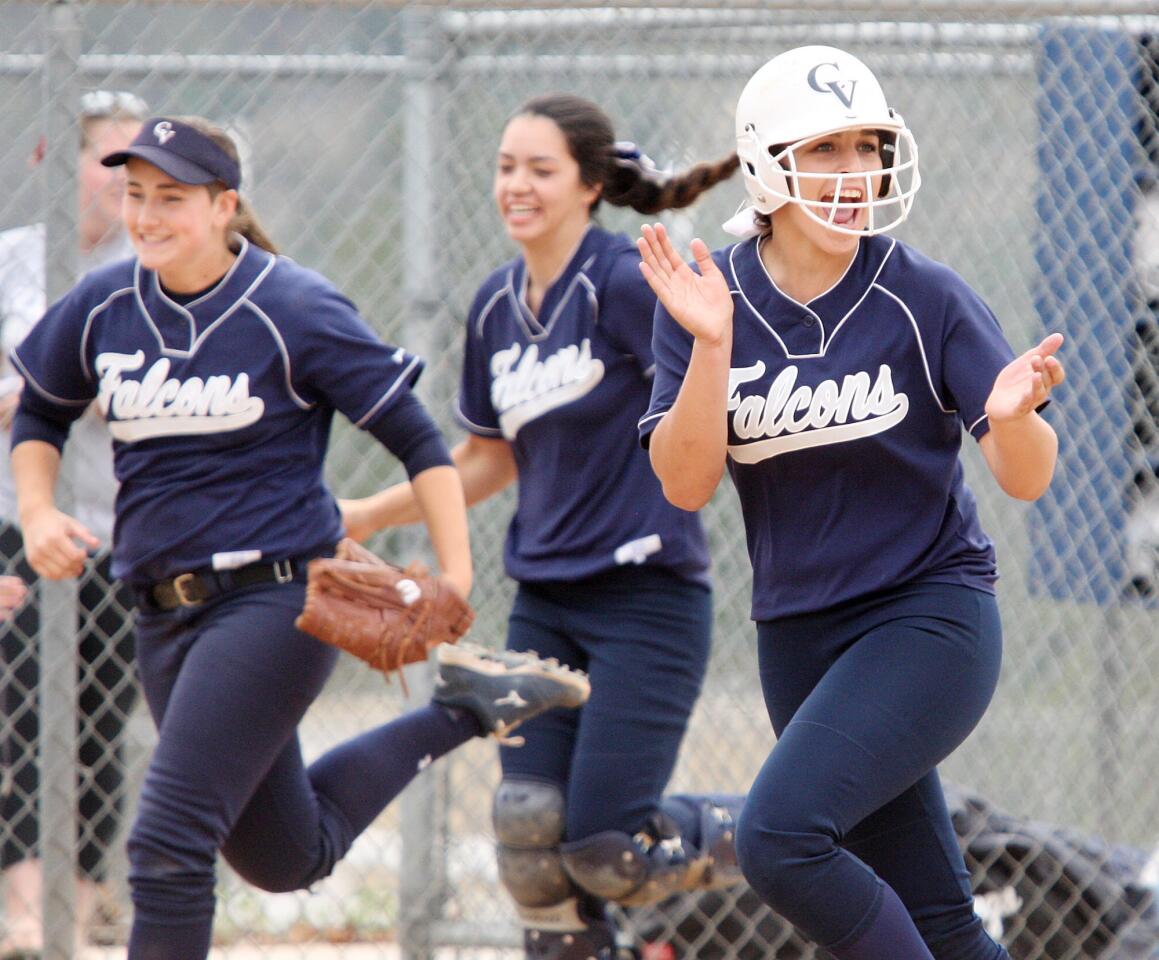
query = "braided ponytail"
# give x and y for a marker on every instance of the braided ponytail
(628, 177)
(633, 181)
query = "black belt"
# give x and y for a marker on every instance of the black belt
(191, 589)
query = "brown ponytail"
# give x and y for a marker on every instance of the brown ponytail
(244, 221)
(632, 184)
(627, 177)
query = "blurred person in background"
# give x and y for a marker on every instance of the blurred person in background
(832, 370)
(106, 689)
(611, 579)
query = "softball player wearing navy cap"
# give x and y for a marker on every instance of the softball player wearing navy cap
(219, 366)
(832, 369)
(612, 579)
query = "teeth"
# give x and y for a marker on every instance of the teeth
(852, 197)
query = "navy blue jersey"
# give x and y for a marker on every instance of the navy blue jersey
(220, 408)
(845, 422)
(565, 390)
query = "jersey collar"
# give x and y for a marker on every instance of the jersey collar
(559, 291)
(179, 328)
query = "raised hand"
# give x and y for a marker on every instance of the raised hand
(699, 302)
(1026, 382)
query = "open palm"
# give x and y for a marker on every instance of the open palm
(699, 302)
(1026, 382)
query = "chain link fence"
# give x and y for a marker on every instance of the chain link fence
(369, 131)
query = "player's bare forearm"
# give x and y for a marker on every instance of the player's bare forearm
(485, 467)
(393, 507)
(1021, 454)
(439, 494)
(689, 445)
(1020, 447)
(35, 468)
(55, 543)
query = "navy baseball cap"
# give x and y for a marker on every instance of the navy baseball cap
(182, 151)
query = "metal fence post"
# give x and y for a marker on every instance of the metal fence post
(423, 812)
(57, 800)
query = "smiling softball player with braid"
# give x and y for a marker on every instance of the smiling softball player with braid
(611, 578)
(832, 370)
(219, 366)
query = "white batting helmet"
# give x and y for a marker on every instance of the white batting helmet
(807, 93)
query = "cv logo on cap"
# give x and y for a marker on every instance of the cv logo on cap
(164, 132)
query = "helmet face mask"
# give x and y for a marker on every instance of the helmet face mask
(809, 93)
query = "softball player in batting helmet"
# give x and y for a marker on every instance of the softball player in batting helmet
(832, 370)
(611, 578)
(219, 366)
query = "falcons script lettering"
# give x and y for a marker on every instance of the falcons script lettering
(158, 405)
(792, 417)
(524, 387)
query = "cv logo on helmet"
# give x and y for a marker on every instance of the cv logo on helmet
(841, 89)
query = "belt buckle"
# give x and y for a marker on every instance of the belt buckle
(181, 585)
(283, 571)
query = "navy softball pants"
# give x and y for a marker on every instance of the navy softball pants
(227, 683)
(845, 832)
(643, 635)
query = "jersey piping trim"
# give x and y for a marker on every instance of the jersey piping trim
(476, 428)
(739, 292)
(228, 274)
(833, 286)
(490, 305)
(283, 350)
(977, 423)
(826, 338)
(921, 348)
(544, 329)
(199, 339)
(583, 278)
(242, 301)
(535, 328)
(88, 326)
(179, 308)
(825, 341)
(651, 416)
(48, 395)
(528, 320)
(394, 388)
(212, 290)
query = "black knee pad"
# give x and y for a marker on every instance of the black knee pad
(528, 817)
